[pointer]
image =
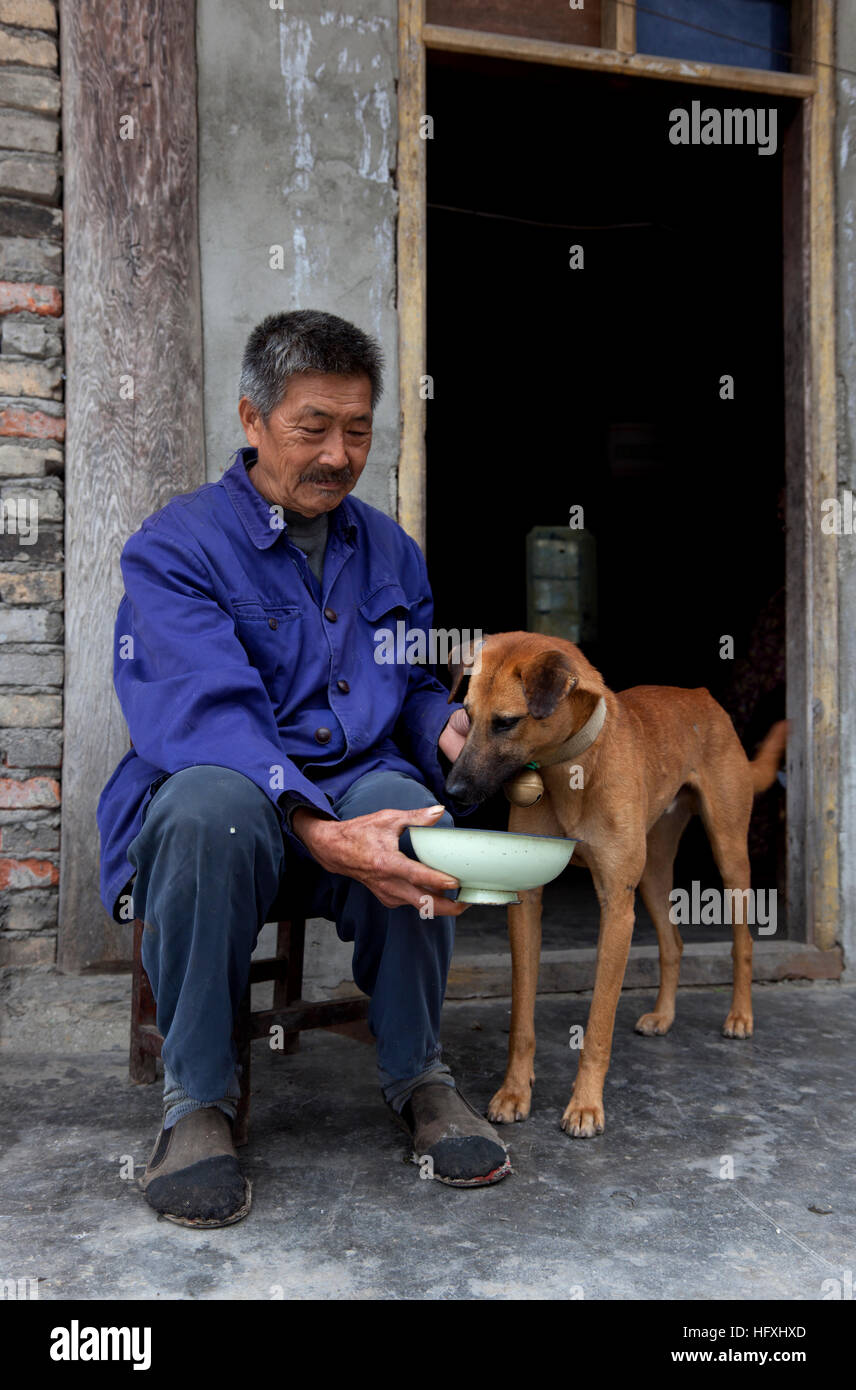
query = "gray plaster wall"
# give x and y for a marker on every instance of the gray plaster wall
(297, 127)
(846, 377)
(297, 146)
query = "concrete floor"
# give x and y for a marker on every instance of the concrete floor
(641, 1212)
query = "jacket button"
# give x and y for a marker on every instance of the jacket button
(322, 735)
(330, 614)
(272, 622)
(343, 686)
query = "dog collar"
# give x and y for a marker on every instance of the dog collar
(580, 741)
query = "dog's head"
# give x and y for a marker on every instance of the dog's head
(527, 694)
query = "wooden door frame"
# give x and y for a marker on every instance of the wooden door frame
(811, 464)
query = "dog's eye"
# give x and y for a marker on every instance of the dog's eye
(501, 723)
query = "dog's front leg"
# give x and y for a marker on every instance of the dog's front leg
(584, 1116)
(514, 1097)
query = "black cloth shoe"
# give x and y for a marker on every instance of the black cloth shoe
(193, 1177)
(451, 1140)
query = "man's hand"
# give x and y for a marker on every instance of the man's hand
(454, 735)
(366, 848)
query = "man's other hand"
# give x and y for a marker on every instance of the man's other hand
(366, 848)
(454, 735)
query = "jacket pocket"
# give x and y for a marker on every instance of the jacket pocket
(387, 610)
(388, 599)
(256, 611)
(271, 635)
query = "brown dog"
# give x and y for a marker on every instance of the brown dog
(623, 774)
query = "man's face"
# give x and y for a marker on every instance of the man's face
(315, 444)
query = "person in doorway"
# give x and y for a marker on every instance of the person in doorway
(273, 758)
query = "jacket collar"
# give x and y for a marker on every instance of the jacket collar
(255, 513)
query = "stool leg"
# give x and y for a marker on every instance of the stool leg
(290, 944)
(244, 1045)
(142, 1064)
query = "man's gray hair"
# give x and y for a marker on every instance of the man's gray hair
(305, 340)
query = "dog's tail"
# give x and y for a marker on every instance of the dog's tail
(765, 764)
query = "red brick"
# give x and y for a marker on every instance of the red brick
(35, 791)
(28, 873)
(30, 298)
(31, 424)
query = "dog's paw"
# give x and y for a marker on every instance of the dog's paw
(737, 1025)
(583, 1121)
(509, 1104)
(654, 1025)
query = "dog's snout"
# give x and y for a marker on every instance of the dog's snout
(470, 781)
(457, 787)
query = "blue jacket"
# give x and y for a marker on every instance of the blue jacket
(223, 654)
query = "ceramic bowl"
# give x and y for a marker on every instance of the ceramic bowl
(492, 866)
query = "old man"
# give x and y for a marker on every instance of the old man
(275, 760)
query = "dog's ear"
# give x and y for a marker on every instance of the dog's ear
(546, 678)
(464, 660)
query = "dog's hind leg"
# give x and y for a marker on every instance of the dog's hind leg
(726, 820)
(655, 886)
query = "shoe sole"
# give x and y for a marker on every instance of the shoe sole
(204, 1224)
(485, 1181)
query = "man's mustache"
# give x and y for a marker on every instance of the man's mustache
(328, 475)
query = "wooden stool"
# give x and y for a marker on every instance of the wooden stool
(290, 1012)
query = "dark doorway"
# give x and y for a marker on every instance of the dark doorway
(600, 387)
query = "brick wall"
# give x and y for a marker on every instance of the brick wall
(32, 427)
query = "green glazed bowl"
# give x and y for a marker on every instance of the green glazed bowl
(492, 866)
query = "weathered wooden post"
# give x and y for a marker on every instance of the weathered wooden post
(134, 398)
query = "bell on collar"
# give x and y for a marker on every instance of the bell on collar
(526, 788)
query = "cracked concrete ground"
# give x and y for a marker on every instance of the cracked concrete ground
(644, 1211)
